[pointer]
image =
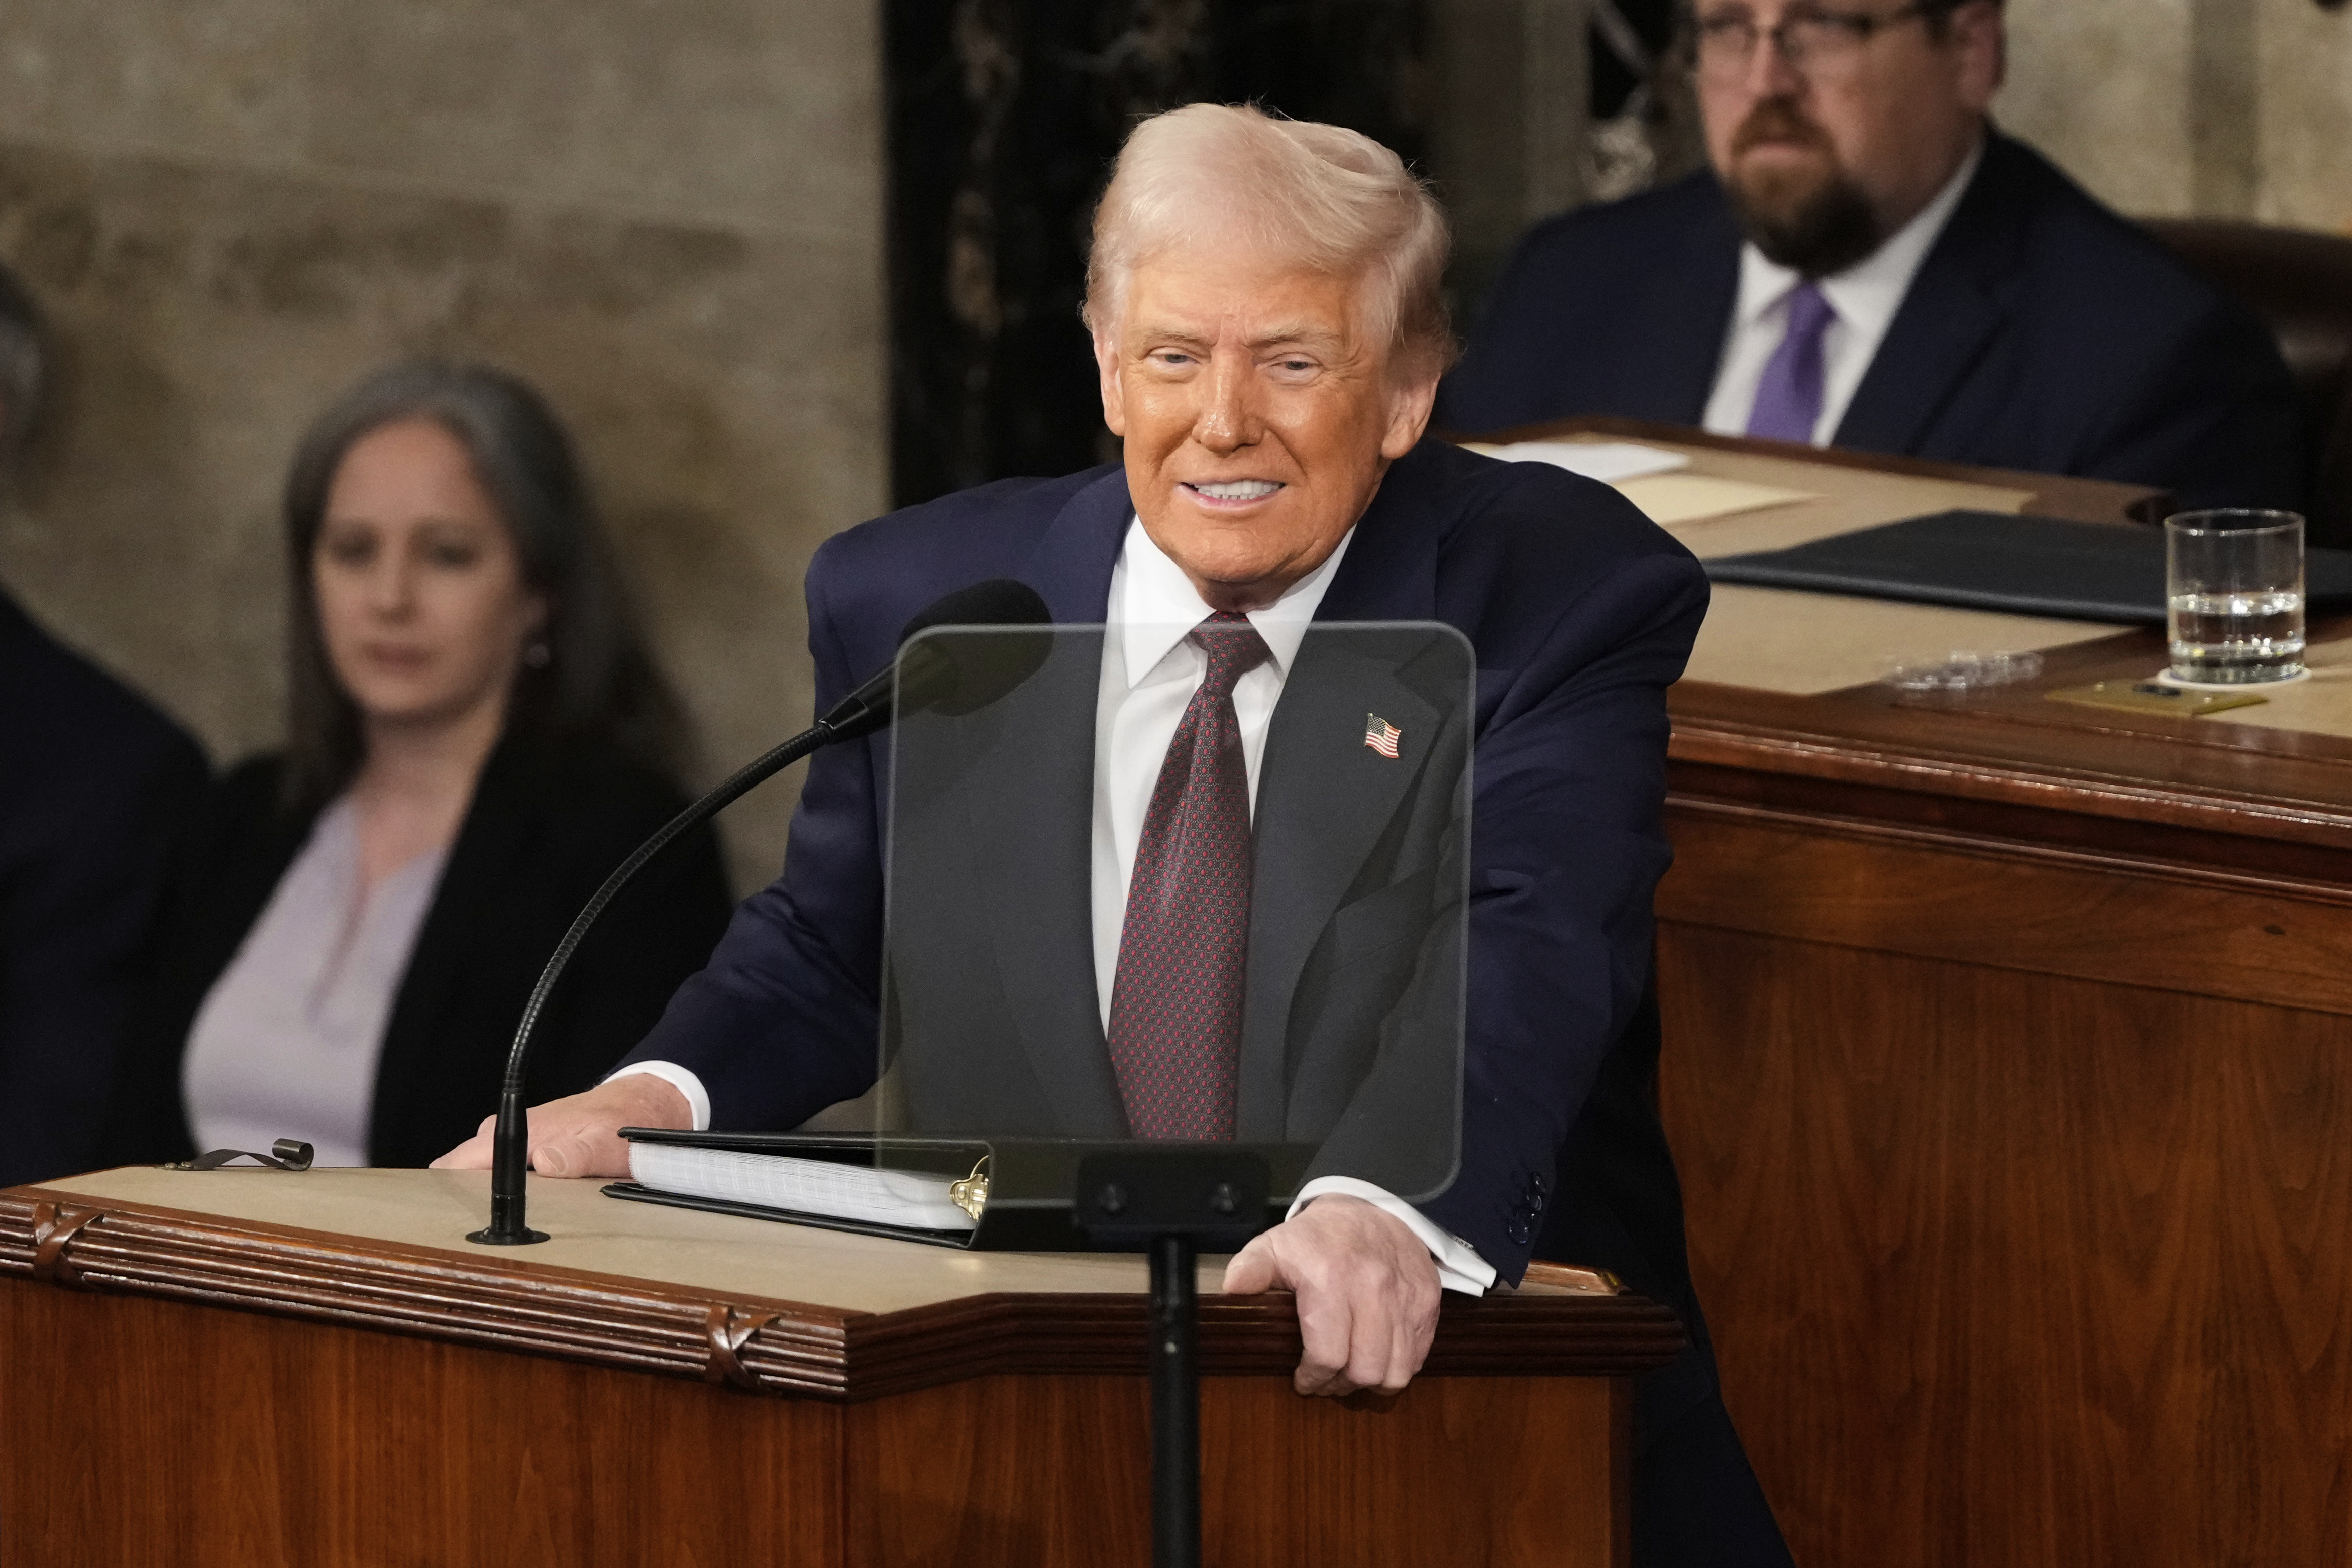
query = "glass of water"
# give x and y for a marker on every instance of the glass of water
(2234, 596)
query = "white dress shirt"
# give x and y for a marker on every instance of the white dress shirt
(1149, 675)
(1864, 299)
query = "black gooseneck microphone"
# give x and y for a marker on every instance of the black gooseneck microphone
(956, 677)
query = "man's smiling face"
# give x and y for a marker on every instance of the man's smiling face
(1258, 413)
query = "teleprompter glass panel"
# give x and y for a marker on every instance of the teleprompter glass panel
(1040, 843)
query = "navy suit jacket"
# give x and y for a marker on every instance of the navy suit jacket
(94, 788)
(1580, 613)
(1351, 1014)
(2043, 332)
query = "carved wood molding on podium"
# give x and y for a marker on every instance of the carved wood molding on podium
(766, 1347)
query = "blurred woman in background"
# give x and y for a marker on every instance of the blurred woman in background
(475, 739)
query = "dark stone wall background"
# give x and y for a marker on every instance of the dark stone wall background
(1004, 118)
(668, 216)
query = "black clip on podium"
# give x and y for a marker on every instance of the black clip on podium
(1173, 1203)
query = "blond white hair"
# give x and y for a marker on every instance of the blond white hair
(1336, 200)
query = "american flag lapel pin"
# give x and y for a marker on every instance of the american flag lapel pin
(1382, 735)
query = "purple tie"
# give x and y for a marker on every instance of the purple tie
(1176, 998)
(1788, 398)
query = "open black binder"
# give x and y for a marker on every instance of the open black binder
(1032, 1182)
(2023, 564)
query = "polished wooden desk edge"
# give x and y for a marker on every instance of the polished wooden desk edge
(1935, 759)
(2012, 748)
(763, 1346)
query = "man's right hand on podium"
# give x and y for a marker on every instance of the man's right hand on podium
(580, 1135)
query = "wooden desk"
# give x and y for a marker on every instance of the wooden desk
(2008, 1069)
(2050, 494)
(258, 1369)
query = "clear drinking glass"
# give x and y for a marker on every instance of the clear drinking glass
(2234, 596)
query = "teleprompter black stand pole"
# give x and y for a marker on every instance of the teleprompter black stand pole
(1175, 1405)
(1172, 1203)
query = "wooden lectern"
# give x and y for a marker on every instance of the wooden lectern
(256, 1368)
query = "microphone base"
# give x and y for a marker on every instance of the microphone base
(489, 1236)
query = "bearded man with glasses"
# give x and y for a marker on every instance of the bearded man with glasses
(1868, 262)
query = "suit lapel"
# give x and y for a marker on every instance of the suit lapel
(1323, 799)
(1030, 801)
(1032, 818)
(1695, 285)
(482, 862)
(1071, 566)
(1949, 316)
(1390, 573)
(1323, 794)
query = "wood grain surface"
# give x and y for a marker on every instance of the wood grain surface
(2018, 1212)
(2036, 908)
(1468, 1470)
(2016, 1268)
(141, 1430)
(498, 1300)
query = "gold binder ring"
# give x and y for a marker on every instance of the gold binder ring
(970, 1195)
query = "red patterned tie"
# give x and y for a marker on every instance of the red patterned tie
(1176, 1000)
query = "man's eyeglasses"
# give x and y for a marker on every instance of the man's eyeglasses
(1811, 41)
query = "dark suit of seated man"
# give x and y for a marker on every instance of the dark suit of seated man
(94, 785)
(1267, 318)
(1868, 263)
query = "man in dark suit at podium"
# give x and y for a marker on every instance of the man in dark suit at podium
(1867, 263)
(1269, 326)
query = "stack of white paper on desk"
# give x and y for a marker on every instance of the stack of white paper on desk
(1607, 460)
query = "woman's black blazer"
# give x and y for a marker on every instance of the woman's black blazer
(547, 825)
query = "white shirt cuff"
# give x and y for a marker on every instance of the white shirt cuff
(1459, 1267)
(697, 1098)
